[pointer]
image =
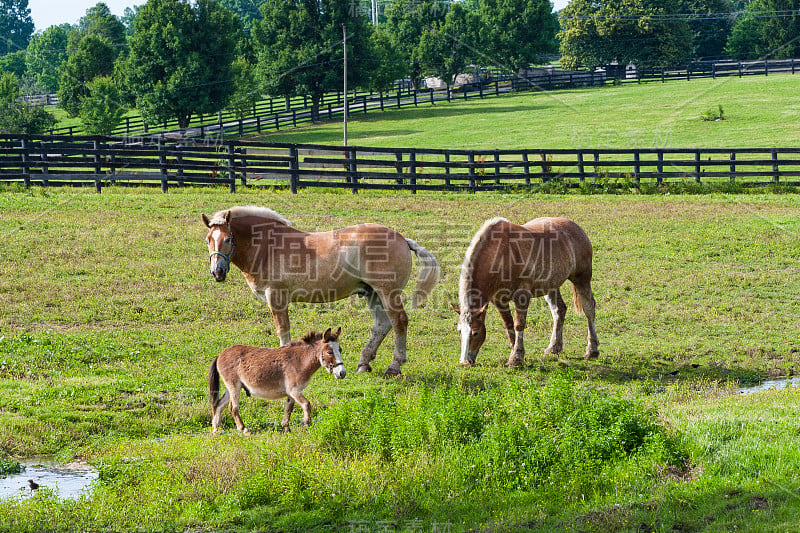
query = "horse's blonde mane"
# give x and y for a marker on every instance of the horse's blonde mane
(468, 267)
(239, 211)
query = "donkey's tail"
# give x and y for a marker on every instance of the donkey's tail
(213, 384)
(429, 275)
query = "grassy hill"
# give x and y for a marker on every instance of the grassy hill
(759, 112)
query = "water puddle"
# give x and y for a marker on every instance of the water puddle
(65, 480)
(771, 384)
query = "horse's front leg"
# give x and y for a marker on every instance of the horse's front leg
(521, 302)
(559, 311)
(278, 302)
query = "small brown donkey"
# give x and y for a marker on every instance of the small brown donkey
(272, 373)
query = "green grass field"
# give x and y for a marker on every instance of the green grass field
(759, 112)
(110, 320)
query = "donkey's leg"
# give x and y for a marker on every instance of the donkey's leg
(297, 395)
(508, 320)
(584, 290)
(393, 305)
(559, 311)
(287, 413)
(521, 302)
(380, 328)
(278, 302)
(217, 410)
(235, 409)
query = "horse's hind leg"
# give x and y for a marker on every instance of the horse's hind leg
(217, 410)
(508, 320)
(380, 328)
(559, 311)
(393, 305)
(583, 291)
(235, 409)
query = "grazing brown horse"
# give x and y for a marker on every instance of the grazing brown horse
(272, 374)
(508, 263)
(282, 264)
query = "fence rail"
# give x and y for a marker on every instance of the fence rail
(100, 161)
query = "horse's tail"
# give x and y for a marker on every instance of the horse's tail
(213, 384)
(429, 275)
(576, 300)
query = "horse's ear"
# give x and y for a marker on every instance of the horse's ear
(227, 217)
(484, 309)
(206, 221)
(455, 308)
(327, 335)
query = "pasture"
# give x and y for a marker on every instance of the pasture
(110, 320)
(759, 112)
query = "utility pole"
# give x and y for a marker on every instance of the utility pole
(344, 43)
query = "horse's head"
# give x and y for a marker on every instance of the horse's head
(472, 328)
(220, 244)
(331, 355)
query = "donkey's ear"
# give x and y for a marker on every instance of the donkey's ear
(327, 335)
(455, 308)
(338, 332)
(206, 221)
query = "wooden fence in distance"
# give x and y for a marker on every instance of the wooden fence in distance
(99, 161)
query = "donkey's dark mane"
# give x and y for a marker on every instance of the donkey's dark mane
(309, 338)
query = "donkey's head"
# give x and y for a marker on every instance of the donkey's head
(330, 356)
(220, 244)
(472, 328)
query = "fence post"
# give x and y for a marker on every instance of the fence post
(43, 156)
(471, 164)
(636, 166)
(662, 75)
(398, 98)
(97, 165)
(660, 167)
(25, 156)
(775, 167)
(412, 169)
(740, 69)
(352, 170)
(179, 164)
(399, 167)
(381, 97)
(447, 168)
(294, 169)
(162, 164)
(231, 167)
(581, 169)
(697, 166)
(496, 167)
(415, 98)
(497, 87)
(732, 168)
(526, 168)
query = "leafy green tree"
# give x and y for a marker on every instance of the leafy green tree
(598, 32)
(747, 40)
(300, 48)
(515, 32)
(16, 26)
(248, 11)
(128, 19)
(247, 91)
(406, 21)
(102, 109)
(448, 48)
(46, 53)
(386, 65)
(99, 21)
(768, 29)
(94, 56)
(13, 63)
(17, 116)
(710, 26)
(181, 57)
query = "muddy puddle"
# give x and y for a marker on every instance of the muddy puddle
(771, 384)
(70, 480)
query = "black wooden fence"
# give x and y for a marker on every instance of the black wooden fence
(100, 161)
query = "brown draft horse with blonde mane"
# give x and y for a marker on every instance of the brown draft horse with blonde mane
(508, 263)
(282, 264)
(272, 374)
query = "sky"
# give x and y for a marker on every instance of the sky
(47, 13)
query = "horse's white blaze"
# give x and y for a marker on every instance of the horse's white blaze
(465, 331)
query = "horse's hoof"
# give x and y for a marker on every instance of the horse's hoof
(391, 372)
(246, 432)
(553, 350)
(364, 367)
(591, 354)
(516, 363)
